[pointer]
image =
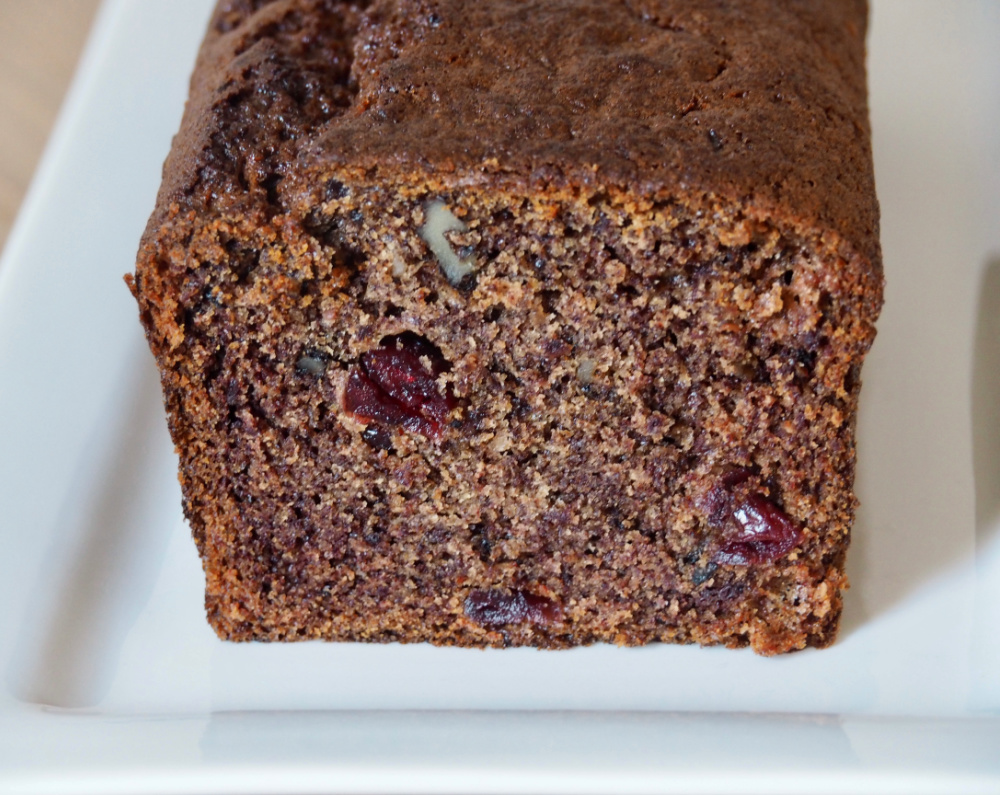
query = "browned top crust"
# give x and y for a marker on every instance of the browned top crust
(759, 104)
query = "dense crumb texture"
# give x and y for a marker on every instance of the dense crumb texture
(507, 323)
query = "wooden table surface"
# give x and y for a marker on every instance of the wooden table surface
(40, 43)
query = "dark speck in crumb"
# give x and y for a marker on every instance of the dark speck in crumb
(377, 437)
(701, 576)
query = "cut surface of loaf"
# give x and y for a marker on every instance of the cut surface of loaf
(508, 323)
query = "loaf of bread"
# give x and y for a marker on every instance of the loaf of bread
(506, 323)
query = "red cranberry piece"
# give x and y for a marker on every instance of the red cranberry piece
(420, 347)
(766, 534)
(396, 384)
(735, 476)
(496, 608)
(719, 502)
(402, 376)
(364, 398)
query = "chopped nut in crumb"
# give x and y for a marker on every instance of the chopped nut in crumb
(439, 221)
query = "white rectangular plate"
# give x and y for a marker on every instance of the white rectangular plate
(113, 682)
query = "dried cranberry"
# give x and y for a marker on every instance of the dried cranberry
(364, 398)
(396, 384)
(421, 347)
(402, 376)
(495, 608)
(736, 476)
(766, 534)
(753, 528)
(719, 501)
